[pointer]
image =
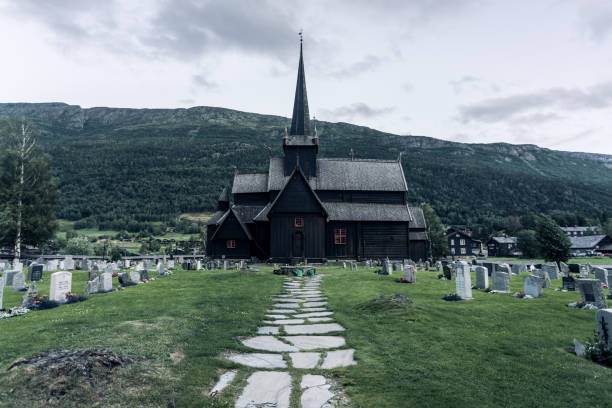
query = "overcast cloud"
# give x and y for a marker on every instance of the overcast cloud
(466, 70)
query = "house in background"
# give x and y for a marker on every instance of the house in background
(461, 243)
(580, 231)
(592, 243)
(307, 207)
(502, 246)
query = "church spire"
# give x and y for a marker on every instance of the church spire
(300, 121)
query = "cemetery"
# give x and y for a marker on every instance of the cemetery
(378, 332)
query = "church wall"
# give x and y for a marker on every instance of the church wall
(384, 239)
(251, 199)
(285, 237)
(347, 250)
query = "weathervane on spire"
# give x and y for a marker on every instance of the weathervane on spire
(301, 35)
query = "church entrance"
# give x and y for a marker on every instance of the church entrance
(298, 245)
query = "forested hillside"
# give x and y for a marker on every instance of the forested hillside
(118, 165)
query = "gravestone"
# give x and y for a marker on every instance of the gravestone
(108, 268)
(1, 290)
(463, 280)
(35, 272)
(544, 275)
(224, 265)
(139, 266)
(427, 265)
(8, 277)
(69, 263)
(409, 274)
(144, 275)
(18, 281)
(532, 286)
(518, 268)
(446, 270)
(601, 274)
(198, 265)
(123, 278)
(91, 286)
(565, 270)
(397, 266)
(569, 283)
(126, 263)
(604, 326)
(368, 264)
(61, 283)
(387, 268)
(482, 277)
(17, 266)
(53, 265)
(171, 264)
(93, 273)
(84, 265)
(30, 295)
(134, 277)
(353, 266)
(501, 281)
(584, 271)
(160, 269)
(106, 282)
(591, 292)
(552, 269)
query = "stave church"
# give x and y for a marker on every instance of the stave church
(315, 208)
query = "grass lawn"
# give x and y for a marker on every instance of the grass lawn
(493, 351)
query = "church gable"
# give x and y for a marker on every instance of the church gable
(297, 197)
(231, 228)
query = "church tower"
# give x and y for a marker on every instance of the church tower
(300, 145)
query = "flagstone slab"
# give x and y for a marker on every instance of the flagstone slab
(314, 314)
(314, 342)
(289, 300)
(266, 389)
(320, 319)
(338, 358)
(316, 397)
(225, 380)
(285, 321)
(269, 343)
(276, 316)
(313, 309)
(288, 311)
(304, 360)
(285, 305)
(320, 328)
(315, 304)
(316, 299)
(267, 330)
(259, 360)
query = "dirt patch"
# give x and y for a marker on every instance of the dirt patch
(176, 356)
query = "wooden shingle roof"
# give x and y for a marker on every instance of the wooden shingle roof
(367, 212)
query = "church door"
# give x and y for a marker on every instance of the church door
(298, 244)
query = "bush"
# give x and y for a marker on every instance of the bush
(79, 246)
(598, 351)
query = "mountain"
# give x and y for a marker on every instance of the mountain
(116, 165)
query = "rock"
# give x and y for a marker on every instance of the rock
(267, 330)
(269, 343)
(579, 348)
(313, 328)
(338, 358)
(314, 314)
(266, 389)
(259, 360)
(316, 395)
(225, 380)
(304, 360)
(315, 342)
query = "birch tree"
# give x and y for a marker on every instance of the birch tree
(28, 194)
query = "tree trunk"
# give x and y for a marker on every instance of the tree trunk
(22, 154)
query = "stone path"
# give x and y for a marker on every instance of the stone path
(299, 332)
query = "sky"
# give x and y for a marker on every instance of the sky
(521, 72)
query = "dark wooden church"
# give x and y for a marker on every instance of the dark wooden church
(317, 208)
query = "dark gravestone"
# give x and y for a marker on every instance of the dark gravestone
(144, 275)
(589, 294)
(574, 268)
(447, 272)
(123, 278)
(569, 283)
(35, 272)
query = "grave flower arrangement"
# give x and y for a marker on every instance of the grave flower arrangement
(115, 274)
(72, 297)
(42, 302)
(520, 295)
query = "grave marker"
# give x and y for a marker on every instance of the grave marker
(409, 274)
(482, 277)
(35, 272)
(106, 282)
(544, 275)
(91, 286)
(18, 281)
(8, 277)
(604, 325)
(552, 269)
(601, 274)
(134, 277)
(591, 292)
(61, 283)
(463, 280)
(532, 286)
(569, 283)
(501, 281)
(1, 290)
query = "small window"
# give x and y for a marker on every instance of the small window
(462, 251)
(462, 242)
(298, 222)
(452, 250)
(452, 242)
(231, 243)
(340, 236)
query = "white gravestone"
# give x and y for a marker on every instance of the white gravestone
(134, 277)
(544, 275)
(482, 277)
(517, 269)
(9, 276)
(61, 283)
(584, 270)
(18, 266)
(160, 269)
(106, 282)
(501, 281)
(601, 274)
(533, 286)
(91, 286)
(409, 274)
(18, 281)
(69, 263)
(463, 280)
(1, 289)
(564, 269)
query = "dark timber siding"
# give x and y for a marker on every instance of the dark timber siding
(231, 229)
(285, 238)
(384, 239)
(349, 250)
(418, 250)
(378, 197)
(251, 199)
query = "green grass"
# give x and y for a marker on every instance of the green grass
(493, 351)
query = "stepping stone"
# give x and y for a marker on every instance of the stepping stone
(225, 380)
(313, 342)
(304, 360)
(313, 309)
(315, 304)
(289, 300)
(314, 314)
(285, 305)
(285, 321)
(338, 358)
(320, 319)
(266, 389)
(318, 299)
(310, 296)
(316, 392)
(259, 360)
(267, 330)
(269, 343)
(284, 296)
(313, 328)
(276, 316)
(281, 311)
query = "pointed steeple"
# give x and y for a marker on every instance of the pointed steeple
(300, 121)
(223, 201)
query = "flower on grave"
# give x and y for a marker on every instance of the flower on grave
(581, 304)
(603, 285)
(145, 280)
(115, 274)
